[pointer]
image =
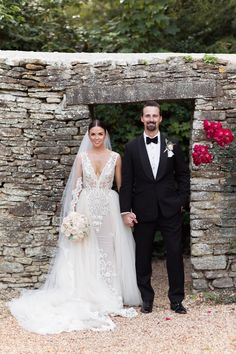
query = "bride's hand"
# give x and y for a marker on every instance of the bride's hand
(129, 219)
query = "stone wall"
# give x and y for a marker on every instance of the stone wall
(44, 111)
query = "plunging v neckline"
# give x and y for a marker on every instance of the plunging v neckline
(90, 162)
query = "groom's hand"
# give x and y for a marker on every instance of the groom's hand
(129, 219)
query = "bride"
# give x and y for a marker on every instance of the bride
(93, 277)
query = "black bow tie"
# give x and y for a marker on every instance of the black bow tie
(151, 140)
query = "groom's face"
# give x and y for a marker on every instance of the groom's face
(151, 119)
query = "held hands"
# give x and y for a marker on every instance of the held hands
(129, 219)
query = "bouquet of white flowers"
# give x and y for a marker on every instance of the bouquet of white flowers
(75, 226)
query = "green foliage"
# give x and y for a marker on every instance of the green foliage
(210, 59)
(119, 26)
(204, 26)
(41, 26)
(177, 122)
(220, 297)
(188, 58)
(123, 122)
(167, 25)
(128, 26)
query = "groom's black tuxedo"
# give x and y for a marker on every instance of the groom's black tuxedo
(157, 203)
(142, 193)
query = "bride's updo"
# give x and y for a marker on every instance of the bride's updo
(97, 123)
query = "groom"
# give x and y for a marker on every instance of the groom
(155, 187)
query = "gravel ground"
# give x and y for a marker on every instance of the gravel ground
(207, 328)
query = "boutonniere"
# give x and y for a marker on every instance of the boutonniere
(169, 148)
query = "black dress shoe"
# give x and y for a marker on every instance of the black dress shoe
(146, 307)
(178, 308)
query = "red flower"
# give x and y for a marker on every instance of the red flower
(223, 136)
(210, 128)
(206, 124)
(201, 155)
(214, 131)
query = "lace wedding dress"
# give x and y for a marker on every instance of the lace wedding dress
(90, 280)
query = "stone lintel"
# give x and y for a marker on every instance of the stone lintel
(172, 90)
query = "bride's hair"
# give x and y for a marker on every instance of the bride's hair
(97, 123)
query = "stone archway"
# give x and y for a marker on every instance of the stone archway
(44, 111)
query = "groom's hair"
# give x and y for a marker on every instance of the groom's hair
(152, 104)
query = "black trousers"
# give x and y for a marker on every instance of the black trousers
(144, 233)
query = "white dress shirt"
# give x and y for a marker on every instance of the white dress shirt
(153, 151)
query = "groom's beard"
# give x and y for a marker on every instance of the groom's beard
(151, 126)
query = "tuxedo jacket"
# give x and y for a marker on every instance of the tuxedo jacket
(145, 194)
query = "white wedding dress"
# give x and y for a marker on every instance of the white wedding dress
(91, 279)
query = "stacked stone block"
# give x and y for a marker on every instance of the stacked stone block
(39, 137)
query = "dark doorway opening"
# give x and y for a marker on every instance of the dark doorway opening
(123, 123)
